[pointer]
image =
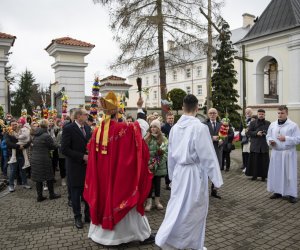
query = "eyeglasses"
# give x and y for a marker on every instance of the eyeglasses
(212, 113)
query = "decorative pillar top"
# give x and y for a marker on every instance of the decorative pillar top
(68, 45)
(7, 39)
(6, 42)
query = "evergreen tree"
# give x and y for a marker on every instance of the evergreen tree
(176, 96)
(10, 79)
(224, 95)
(22, 95)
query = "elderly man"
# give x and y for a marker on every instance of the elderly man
(75, 137)
(214, 127)
(243, 137)
(283, 136)
(166, 128)
(259, 149)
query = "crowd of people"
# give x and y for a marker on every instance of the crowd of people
(116, 166)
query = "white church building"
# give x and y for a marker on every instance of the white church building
(273, 44)
(272, 79)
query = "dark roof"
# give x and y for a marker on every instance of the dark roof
(280, 15)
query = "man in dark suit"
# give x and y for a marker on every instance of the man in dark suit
(166, 128)
(75, 137)
(214, 127)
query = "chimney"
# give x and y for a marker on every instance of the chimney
(248, 20)
(170, 45)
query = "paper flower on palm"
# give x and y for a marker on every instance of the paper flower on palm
(45, 113)
(64, 108)
(166, 105)
(24, 112)
(223, 132)
(94, 99)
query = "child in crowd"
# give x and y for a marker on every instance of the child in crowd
(23, 137)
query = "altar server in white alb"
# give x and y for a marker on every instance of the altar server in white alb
(191, 161)
(283, 136)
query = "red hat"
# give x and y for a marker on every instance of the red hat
(22, 120)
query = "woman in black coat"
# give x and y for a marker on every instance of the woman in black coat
(41, 163)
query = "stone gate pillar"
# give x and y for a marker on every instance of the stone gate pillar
(69, 67)
(6, 42)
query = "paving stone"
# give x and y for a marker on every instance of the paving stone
(244, 219)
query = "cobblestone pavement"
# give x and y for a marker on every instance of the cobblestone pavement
(245, 218)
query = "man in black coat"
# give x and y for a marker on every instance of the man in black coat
(166, 128)
(259, 150)
(214, 128)
(75, 137)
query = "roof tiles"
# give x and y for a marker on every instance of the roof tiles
(71, 42)
(280, 15)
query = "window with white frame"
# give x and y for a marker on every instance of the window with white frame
(154, 95)
(155, 79)
(199, 90)
(188, 90)
(147, 80)
(188, 73)
(199, 70)
(174, 75)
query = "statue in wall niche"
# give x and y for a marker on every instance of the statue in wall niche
(273, 79)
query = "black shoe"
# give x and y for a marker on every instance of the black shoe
(41, 198)
(227, 169)
(292, 199)
(263, 179)
(168, 187)
(275, 196)
(253, 179)
(215, 195)
(69, 203)
(87, 219)
(149, 240)
(78, 223)
(222, 168)
(54, 196)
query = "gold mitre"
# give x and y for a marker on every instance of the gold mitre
(109, 103)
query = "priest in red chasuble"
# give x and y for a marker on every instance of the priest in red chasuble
(117, 180)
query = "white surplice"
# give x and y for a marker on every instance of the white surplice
(133, 227)
(282, 175)
(191, 161)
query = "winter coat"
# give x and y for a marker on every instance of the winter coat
(58, 140)
(258, 143)
(227, 144)
(41, 163)
(159, 169)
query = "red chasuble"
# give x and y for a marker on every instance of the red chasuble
(120, 180)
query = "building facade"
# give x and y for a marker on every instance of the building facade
(273, 43)
(189, 76)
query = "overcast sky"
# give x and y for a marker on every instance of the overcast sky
(36, 22)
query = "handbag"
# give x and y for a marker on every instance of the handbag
(230, 147)
(245, 140)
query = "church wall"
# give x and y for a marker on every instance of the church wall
(276, 46)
